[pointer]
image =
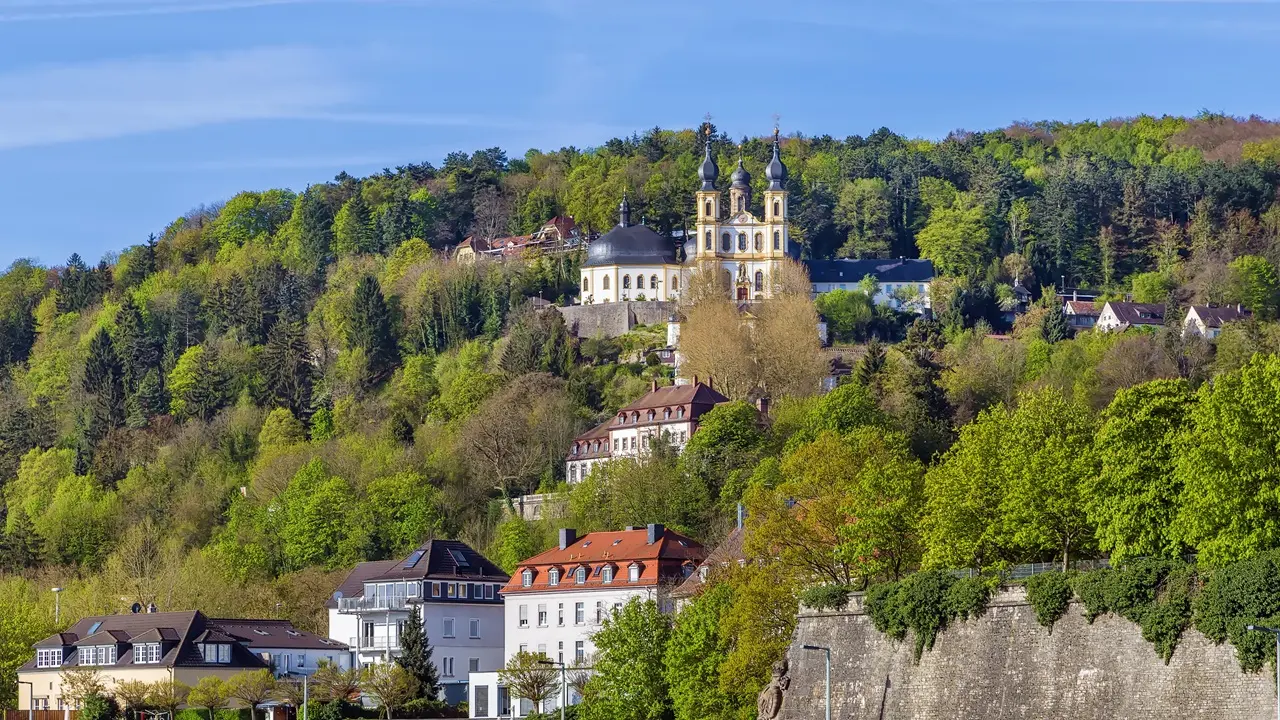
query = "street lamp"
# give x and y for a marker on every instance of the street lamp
(57, 606)
(1273, 631)
(827, 690)
(564, 693)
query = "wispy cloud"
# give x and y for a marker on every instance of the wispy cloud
(115, 98)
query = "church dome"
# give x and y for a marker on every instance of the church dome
(775, 172)
(630, 245)
(708, 172)
(740, 178)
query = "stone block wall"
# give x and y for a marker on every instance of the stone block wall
(1004, 665)
(613, 319)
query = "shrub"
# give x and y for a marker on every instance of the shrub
(918, 603)
(1240, 594)
(1091, 588)
(826, 597)
(1049, 594)
(99, 707)
(424, 708)
(968, 597)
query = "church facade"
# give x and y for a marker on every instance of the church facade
(632, 262)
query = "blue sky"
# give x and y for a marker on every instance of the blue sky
(117, 116)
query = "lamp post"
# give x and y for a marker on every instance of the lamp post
(1273, 631)
(564, 699)
(57, 605)
(826, 695)
(31, 698)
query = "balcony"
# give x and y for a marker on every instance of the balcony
(378, 643)
(387, 603)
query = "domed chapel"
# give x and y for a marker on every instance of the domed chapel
(632, 262)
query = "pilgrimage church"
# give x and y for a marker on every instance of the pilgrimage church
(632, 262)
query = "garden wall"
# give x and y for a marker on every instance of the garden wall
(613, 319)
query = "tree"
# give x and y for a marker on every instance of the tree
(353, 228)
(964, 489)
(527, 678)
(513, 543)
(865, 208)
(847, 312)
(286, 366)
(390, 685)
(539, 341)
(82, 682)
(630, 682)
(149, 401)
(104, 381)
(370, 329)
(1054, 327)
(133, 695)
(333, 684)
(167, 695)
(956, 238)
(210, 693)
(253, 688)
(415, 658)
(1256, 285)
(1134, 498)
(139, 352)
(759, 625)
(697, 650)
(728, 440)
(197, 384)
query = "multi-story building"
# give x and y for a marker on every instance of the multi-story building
(557, 600)
(180, 646)
(669, 413)
(454, 589)
(902, 283)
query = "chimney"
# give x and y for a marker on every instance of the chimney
(654, 386)
(742, 515)
(762, 404)
(695, 379)
(1075, 295)
(567, 537)
(711, 382)
(655, 532)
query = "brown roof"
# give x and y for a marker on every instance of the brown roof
(1082, 307)
(731, 550)
(353, 584)
(1216, 317)
(1138, 313)
(662, 560)
(698, 394)
(266, 634)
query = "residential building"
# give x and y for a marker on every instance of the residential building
(669, 413)
(557, 600)
(1081, 314)
(558, 234)
(902, 284)
(182, 646)
(455, 590)
(1124, 315)
(1207, 321)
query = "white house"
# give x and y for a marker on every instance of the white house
(902, 284)
(1207, 321)
(1124, 315)
(557, 600)
(670, 412)
(455, 590)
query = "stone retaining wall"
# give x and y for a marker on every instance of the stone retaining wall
(613, 319)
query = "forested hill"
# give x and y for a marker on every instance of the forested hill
(280, 385)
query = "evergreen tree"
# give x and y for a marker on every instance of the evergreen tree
(186, 327)
(1054, 327)
(286, 366)
(75, 285)
(20, 545)
(353, 228)
(415, 657)
(395, 224)
(139, 351)
(871, 366)
(371, 329)
(148, 401)
(197, 384)
(104, 380)
(314, 230)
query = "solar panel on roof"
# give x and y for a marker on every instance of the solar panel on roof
(414, 557)
(459, 558)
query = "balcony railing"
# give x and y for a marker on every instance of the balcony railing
(376, 642)
(374, 604)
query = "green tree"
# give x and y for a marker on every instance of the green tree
(353, 228)
(528, 678)
(104, 381)
(197, 384)
(956, 238)
(286, 366)
(847, 312)
(210, 693)
(139, 352)
(415, 658)
(695, 653)
(1054, 327)
(390, 685)
(253, 688)
(865, 208)
(630, 682)
(964, 489)
(1256, 285)
(149, 401)
(514, 543)
(313, 522)
(539, 341)
(370, 329)
(728, 440)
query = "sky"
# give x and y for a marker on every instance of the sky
(117, 116)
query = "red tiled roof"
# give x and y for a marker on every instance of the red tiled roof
(663, 560)
(1082, 307)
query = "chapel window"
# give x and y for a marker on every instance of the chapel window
(777, 208)
(742, 242)
(708, 209)
(675, 283)
(708, 240)
(726, 242)
(759, 242)
(759, 281)
(626, 282)
(605, 284)
(777, 240)
(653, 282)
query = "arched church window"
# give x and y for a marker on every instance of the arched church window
(777, 240)
(742, 203)
(586, 284)
(759, 281)
(726, 242)
(777, 208)
(708, 242)
(605, 283)
(728, 279)
(675, 283)
(639, 282)
(707, 207)
(759, 242)
(742, 242)
(653, 282)
(626, 282)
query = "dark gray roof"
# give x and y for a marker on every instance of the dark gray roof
(1138, 313)
(740, 177)
(851, 271)
(1216, 317)
(708, 171)
(353, 585)
(633, 245)
(775, 172)
(271, 634)
(437, 561)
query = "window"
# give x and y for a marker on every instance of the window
(473, 665)
(707, 242)
(474, 624)
(599, 612)
(527, 578)
(777, 210)
(706, 208)
(542, 616)
(579, 613)
(666, 413)
(465, 589)
(741, 203)
(639, 282)
(488, 592)
(524, 616)
(553, 577)
(586, 284)
(726, 242)
(777, 240)
(581, 575)
(524, 647)
(579, 652)
(633, 573)
(302, 659)
(759, 242)
(573, 470)
(435, 589)
(759, 281)
(480, 698)
(560, 615)
(653, 282)
(49, 658)
(617, 606)
(604, 283)
(607, 574)
(626, 282)
(680, 412)
(216, 653)
(633, 443)
(448, 628)
(675, 283)
(453, 590)
(542, 649)
(146, 653)
(652, 415)
(742, 242)
(446, 667)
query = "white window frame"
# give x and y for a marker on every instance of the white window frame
(633, 573)
(449, 628)
(473, 627)
(553, 576)
(524, 616)
(542, 615)
(526, 577)
(48, 657)
(580, 613)
(146, 653)
(606, 574)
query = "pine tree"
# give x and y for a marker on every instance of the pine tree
(315, 230)
(871, 365)
(74, 285)
(353, 228)
(371, 329)
(1055, 327)
(21, 547)
(139, 351)
(286, 366)
(395, 224)
(415, 657)
(148, 401)
(104, 380)
(186, 327)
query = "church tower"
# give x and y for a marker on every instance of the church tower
(739, 190)
(708, 199)
(776, 213)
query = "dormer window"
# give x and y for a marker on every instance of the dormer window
(581, 575)
(652, 415)
(680, 412)
(553, 577)
(527, 578)
(606, 575)
(146, 653)
(216, 653)
(633, 573)
(48, 657)
(666, 413)
(575, 449)
(98, 655)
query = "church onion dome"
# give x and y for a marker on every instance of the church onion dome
(775, 172)
(708, 172)
(740, 178)
(630, 245)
